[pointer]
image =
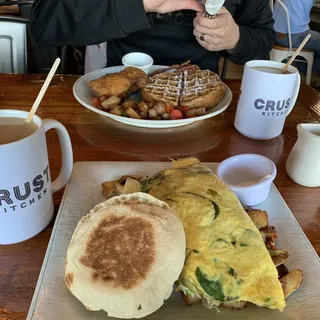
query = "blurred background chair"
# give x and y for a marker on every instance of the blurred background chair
(13, 44)
(281, 54)
(19, 52)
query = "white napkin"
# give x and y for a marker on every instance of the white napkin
(213, 6)
(95, 58)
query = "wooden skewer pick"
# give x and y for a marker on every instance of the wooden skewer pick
(296, 53)
(43, 90)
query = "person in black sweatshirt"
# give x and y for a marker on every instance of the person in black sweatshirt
(171, 31)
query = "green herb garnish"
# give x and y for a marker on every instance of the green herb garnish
(232, 272)
(212, 192)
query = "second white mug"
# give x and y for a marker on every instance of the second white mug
(26, 203)
(266, 98)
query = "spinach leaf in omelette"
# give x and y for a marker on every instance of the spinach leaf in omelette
(148, 184)
(211, 287)
(215, 206)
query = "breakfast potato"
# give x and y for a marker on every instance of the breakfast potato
(278, 256)
(269, 234)
(282, 271)
(116, 111)
(132, 114)
(131, 186)
(125, 185)
(143, 107)
(291, 282)
(129, 104)
(259, 217)
(161, 108)
(107, 103)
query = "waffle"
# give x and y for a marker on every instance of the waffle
(190, 87)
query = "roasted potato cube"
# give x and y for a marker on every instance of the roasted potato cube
(132, 114)
(129, 104)
(121, 186)
(111, 189)
(142, 107)
(144, 115)
(278, 256)
(259, 217)
(161, 108)
(282, 270)
(153, 113)
(291, 282)
(131, 186)
(165, 116)
(116, 110)
(106, 104)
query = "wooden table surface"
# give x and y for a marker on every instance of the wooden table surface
(96, 138)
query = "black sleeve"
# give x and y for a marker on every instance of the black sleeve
(257, 36)
(86, 22)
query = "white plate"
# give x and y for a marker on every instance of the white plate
(84, 96)
(53, 301)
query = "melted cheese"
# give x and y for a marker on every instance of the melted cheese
(226, 259)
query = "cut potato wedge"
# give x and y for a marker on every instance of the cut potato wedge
(106, 104)
(282, 271)
(259, 217)
(278, 256)
(125, 185)
(291, 282)
(132, 114)
(131, 186)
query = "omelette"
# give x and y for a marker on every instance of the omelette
(227, 262)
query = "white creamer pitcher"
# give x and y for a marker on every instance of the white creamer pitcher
(303, 164)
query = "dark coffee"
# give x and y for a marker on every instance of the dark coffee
(271, 70)
(14, 129)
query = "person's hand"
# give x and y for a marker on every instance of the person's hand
(221, 33)
(166, 6)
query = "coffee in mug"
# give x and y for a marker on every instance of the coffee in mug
(14, 129)
(271, 70)
(26, 202)
(267, 97)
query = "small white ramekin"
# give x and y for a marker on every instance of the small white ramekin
(248, 168)
(139, 60)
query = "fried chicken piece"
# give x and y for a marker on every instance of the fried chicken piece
(120, 84)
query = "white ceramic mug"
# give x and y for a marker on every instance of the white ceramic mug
(266, 99)
(26, 203)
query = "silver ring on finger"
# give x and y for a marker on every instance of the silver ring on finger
(202, 36)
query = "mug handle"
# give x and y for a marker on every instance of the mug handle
(67, 155)
(295, 94)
